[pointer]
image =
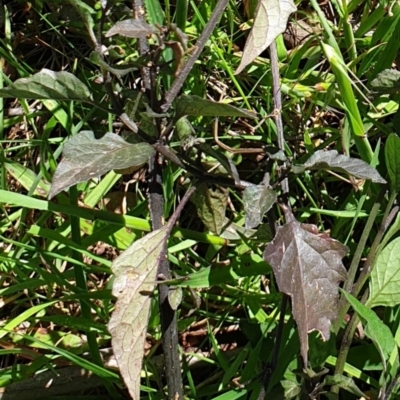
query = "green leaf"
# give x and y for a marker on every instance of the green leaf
(135, 273)
(155, 13)
(343, 382)
(387, 81)
(385, 277)
(392, 157)
(211, 206)
(197, 106)
(270, 20)
(86, 157)
(85, 12)
(257, 200)
(374, 328)
(332, 160)
(48, 84)
(246, 265)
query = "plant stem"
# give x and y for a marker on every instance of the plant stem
(285, 191)
(346, 342)
(198, 48)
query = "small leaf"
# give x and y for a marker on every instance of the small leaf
(270, 20)
(135, 273)
(197, 106)
(387, 81)
(132, 28)
(392, 157)
(374, 328)
(332, 160)
(385, 277)
(118, 71)
(308, 267)
(344, 382)
(211, 206)
(86, 157)
(257, 200)
(175, 295)
(48, 84)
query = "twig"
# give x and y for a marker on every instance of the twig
(230, 149)
(276, 89)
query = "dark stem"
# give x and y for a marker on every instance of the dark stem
(198, 48)
(168, 315)
(276, 89)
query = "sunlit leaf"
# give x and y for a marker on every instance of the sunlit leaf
(308, 268)
(132, 28)
(374, 328)
(211, 205)
(387, 81)
(135, 273)
(270, 20)
(86, 157)
(257, 200)
(332, 160)
(197, 106)
(48, 84)
(392, 157)
(385, 277)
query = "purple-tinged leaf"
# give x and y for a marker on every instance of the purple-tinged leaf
(308, 267)
(332, 160)
(132, 28)
(86, 157)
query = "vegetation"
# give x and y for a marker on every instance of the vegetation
(187, 214)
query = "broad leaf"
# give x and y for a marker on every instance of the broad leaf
(385, 277)
(86, 157)
(197, 106)
(48, 84)
(211, 205)
(332, 160)
(308, 268)
(132, 28)
(392, 157)
(374, 328)
(135, 273)
(387, 81)
(270, 20)
(257, 200)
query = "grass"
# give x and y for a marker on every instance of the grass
(56, 255)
